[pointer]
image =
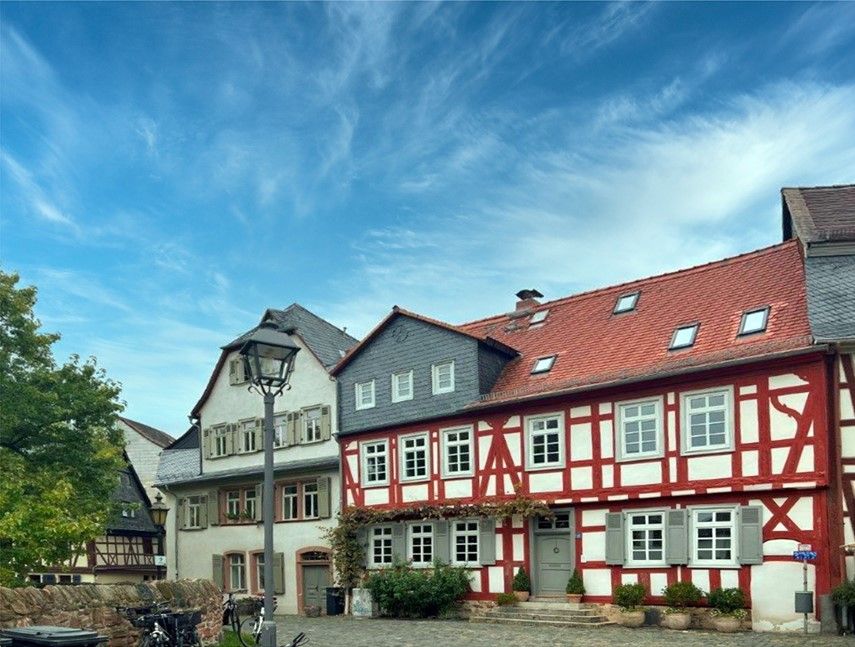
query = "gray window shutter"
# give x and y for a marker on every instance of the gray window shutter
(182, 514)
(240, 370)
(293, 433)
(203, 512)
(278, 573)
(676, 537)
(440, 541)
(614, 538)
(259, 434)
(217, 570)
(324, 496)
(399, 542)
(326, 423)
(214, 508)
(206, 443)
(259, 502)
(362, 539)
(233, 376)
(231, 431)
(487, 541)
(750, 534)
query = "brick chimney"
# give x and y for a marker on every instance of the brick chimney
(528, 299)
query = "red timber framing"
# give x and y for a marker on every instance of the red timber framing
(845, 413)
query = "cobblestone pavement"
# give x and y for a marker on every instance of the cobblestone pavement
(348, 632)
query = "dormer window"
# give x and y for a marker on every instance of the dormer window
(684, 337)
(754, 321)
(543, 364)
(538, 317)
(626, 303)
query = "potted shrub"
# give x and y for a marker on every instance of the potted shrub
(678, 596)
(629, 598)
(728, 609)
(506, 599)
(575, 587)
(522, 585)
(843, 597)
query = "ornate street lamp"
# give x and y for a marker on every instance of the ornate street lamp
(158, 511)
(268, 356)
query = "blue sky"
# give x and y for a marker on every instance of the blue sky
(171, 170)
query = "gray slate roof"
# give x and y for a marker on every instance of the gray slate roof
(831, 296)
(822, 213)
(288, 468)
(158, 437)
(177, 465)
(326, 341)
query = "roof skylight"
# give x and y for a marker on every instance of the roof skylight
(754, 321)
(684, 336)
(539, 317)
(543, 364)
(626, 302)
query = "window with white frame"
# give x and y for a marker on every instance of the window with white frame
(247, 435)
(259, 571)
(414, 457)
(375, 464)
(381, 546)
(545, 441)
(233, 504)
(402, 386)
(706, 420)
(442, 377)
(250, 503)
(220, 446)
(237, 572)
(194, 512)
(289, 501)
(465, 537)
(312, 425)
(421, 544)
(646, 534)
(280, 430)
(457, 452)
(310, 500)
(640, 425)
(714, 536)
(364, 395)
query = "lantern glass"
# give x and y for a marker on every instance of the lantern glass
(269, 356)
(158, 511)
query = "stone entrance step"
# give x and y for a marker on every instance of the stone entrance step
(555, 612)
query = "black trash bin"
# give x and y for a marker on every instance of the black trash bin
(47, 636)
(335, 600)
(5, 642)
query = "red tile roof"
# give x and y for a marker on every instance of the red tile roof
(596, 347)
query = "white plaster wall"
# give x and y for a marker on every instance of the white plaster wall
(710, 466)
(641, 473)
(772, 587)
(144, 456)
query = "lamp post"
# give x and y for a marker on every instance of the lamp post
(268, 356)
(158, 511)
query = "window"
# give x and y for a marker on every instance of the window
(713, 535)
(128, 510)
(754, 321)
(247, 435)
(237, 572)
(538, 317)
(312, 425)
(545, 441)
(414, 457)
(626, 303)
(646, 532)
(280, 430)
(233, 504)
(706, 420)
(684, 337)
(364, 395)
(289, 501)
(466, 542)
(442, 377)
(374, 464)
(560, 521)
(381, 546)
(543, 364)
(310, 500)
(640, 429)
(250, 508)
(194, 512)
(402, 386)
(457, 452)
(259, 570)
(421, 544)
(220, 446)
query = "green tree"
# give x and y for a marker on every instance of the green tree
(60, 449)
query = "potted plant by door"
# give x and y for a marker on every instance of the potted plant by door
(728, 609)
(678, 596)
(843, 597)
(575, 587)
(522, 585)
(629, 598)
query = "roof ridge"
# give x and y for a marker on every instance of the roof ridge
(303, 308)
(656, 278)
(822, 186)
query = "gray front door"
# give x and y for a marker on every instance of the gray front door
(316, 579)
(553, 553)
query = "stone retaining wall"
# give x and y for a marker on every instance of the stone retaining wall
(93, 606)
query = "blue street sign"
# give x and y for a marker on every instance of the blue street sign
(804, 555)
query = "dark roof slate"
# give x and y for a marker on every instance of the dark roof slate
(831, 296)
(822, 213)
(158, 437)
(178, 465)
(288, 468)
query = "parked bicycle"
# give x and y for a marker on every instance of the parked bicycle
(161, 627)
(248, 629)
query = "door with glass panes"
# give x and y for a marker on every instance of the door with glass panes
(553, 555)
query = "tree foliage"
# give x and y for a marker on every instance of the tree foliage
(60, 449)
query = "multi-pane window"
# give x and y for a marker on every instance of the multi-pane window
(421, 544)
(259, 570)
(713, 533)
(646, 537)
(414, 457)
(639, 429)
(546, 439)
(233, 504)
(364, 395)
(220, 444)
(374, 462)
(310, 500)
(247, 436)
(312, 425)
(442, 377)
(457, 452)
(194, 512)
(250, 503)
(465, 542)
(706, 420)
(289, 501)
(402, 386)
(237, 572)
(128, 510)
(381, 545)
(280, 430)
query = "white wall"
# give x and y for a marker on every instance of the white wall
(144, 456)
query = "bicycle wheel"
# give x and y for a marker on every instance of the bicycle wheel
(250, 632)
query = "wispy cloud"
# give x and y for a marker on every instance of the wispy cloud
(33, 195)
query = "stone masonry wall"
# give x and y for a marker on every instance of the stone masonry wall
(93, 606)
